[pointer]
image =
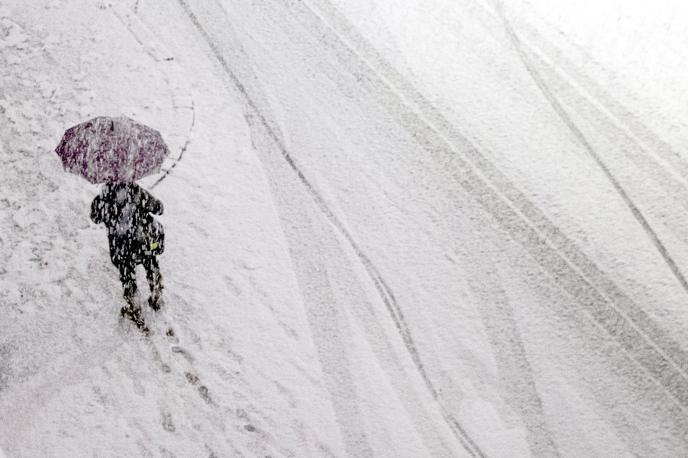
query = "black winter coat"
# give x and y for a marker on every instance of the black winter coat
(125, 209)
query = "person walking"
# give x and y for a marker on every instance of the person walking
(118, 151)
(134, 237)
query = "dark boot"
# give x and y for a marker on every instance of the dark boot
(155, 299)
(133, 311)
(134, 314)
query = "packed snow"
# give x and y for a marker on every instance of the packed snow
(395, 229)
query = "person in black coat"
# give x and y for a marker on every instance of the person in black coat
(134, 236)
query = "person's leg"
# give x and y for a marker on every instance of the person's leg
(127, 276)
(150, 263)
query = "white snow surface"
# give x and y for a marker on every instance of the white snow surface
(393, 228)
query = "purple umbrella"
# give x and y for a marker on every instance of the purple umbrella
(112, 149)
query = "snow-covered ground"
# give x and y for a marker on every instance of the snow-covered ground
(394, 228)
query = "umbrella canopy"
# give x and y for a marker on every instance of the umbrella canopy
(108, 149)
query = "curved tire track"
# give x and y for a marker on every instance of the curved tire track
(571, 125)
(136, 28)
(380, 284)
(668, 168)
(566, 118)
(657, 354)
(647, 151)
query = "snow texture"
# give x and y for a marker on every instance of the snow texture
(396, 229)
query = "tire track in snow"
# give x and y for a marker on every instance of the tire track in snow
(657, 354)
(668, 167)
(326, 317)
(142, 29)
(302, 246)
(541, 437)
(517, 381)
(660, 358)
(182, 150)
(582, 139)
(626, 147)
(380, 284)
(647, 151)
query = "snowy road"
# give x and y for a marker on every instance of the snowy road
(436, 228)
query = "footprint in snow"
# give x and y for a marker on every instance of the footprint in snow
(202, 389)
(183, 352)
(167, 422)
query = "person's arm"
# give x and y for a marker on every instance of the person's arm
(97, 210)
(159, 208)
(150, 203)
